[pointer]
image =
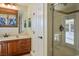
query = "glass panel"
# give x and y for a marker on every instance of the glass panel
(69, 31)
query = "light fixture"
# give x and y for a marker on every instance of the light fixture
(12, 4)
(8, 5)
(3, 5)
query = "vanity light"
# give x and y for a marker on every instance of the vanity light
(13, 7)
(3, 5)
(9, 5)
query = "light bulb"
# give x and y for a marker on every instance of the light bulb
(8, 6)
(3, 5)
(13, 7)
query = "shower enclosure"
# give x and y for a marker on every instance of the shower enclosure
(66, 42)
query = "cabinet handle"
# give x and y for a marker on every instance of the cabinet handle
(40, 37)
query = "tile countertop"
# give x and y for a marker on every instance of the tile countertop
(13, 37)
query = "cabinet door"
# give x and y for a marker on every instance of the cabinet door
(0, 49)
(12, 48)
(29, 44)
(24, 46)
(4, 49)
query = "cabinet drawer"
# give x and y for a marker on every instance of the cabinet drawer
(26, 42)
(22, 41)
(25, 50)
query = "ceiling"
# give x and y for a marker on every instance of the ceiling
(66, 7)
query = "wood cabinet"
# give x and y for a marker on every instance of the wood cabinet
(23, 44)
(12, 47)
(3, 48)
(15, 47)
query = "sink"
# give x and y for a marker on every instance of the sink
(13, 37)
(7, 38)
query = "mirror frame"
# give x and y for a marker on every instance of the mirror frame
(9, 12)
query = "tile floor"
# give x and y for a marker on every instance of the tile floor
(61, 50)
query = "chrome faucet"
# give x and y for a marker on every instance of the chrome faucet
(6, 35)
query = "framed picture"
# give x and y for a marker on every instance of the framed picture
(8, 20)
(8, 17)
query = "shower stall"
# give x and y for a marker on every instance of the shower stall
(66, 18)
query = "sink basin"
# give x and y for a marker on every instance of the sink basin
(13, 37)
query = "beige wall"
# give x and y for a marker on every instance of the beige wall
(29, 14)
(77, 31)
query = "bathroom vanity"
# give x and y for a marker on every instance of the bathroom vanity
(12, 45)
(15, 46)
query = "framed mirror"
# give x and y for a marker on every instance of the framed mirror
(8, 17)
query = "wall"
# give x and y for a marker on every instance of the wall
(28, 15)
(77, 31)
(23, 16)
(8, 30)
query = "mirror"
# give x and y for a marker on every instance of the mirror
(8, 17)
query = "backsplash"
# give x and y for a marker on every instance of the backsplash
(9, 31)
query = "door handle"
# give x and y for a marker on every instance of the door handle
(40, 37)
(33, 32)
